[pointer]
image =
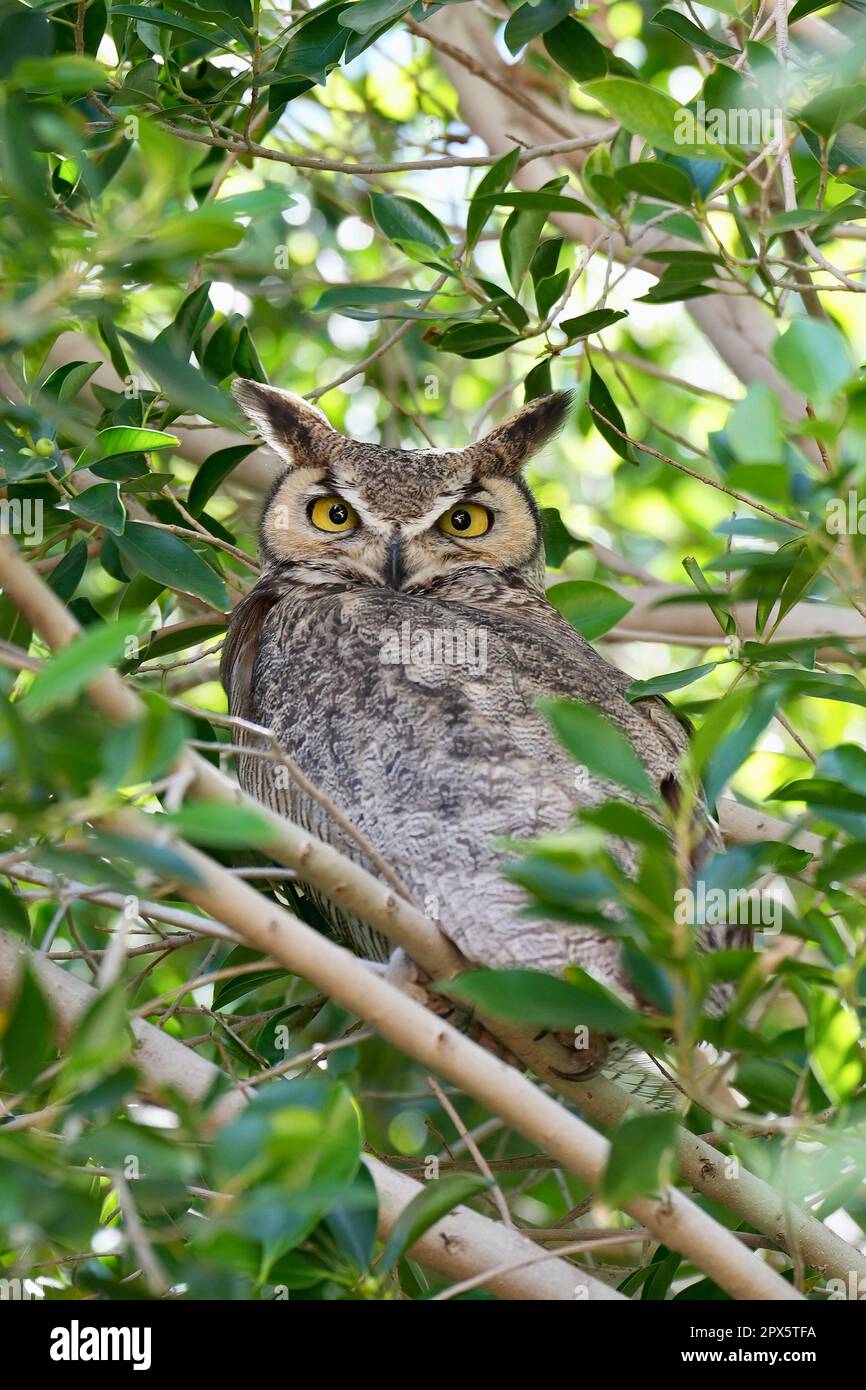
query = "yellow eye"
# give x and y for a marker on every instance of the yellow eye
(332, 514)
(467, 519)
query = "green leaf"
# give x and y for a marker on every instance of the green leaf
(168, 559)
(162, 860)
(102, 1039)
(477, 339)
(674, 680)
(597, 744)
(518, 244)
(729, 733)
(26, 1042)
(364, 296)
(716, 607)
(641, 1160)
(692, 34)
(647, 111)
(673, 292)
(592, 322)
(403, 221)
(847, 762)
(558, 540)
(539, 200)
(498, 176)
(754, 426)
(65, 383)
(144, 748)
(193, 316)
(229, 991)
(814, 357)
(151, 14)
(591, 608)
(538, 381)
(76, 665)
(353, 1223)
(24, 33)
(247, 362)
(822, 792)
(577, 51)
(832, 109)
(369, 14)
(804, 8)
(71, 73)
(125, 439)
(439, 1197)
(529, 20)
(656, 180)
(534, 999)
(314, 48)
(608, 414)
(100, 503)
(67, 575)
(521, 233)
(211, 473)
(184, 385)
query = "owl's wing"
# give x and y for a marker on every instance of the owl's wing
(242, 645)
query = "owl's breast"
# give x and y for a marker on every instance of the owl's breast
(419, 719)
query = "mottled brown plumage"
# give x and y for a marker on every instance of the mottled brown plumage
(433, 752)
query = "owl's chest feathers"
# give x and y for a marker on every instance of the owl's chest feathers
(419, 718)
(402, 662)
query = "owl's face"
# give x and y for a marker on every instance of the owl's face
(406, 519)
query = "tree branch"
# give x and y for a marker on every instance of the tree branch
(673, 1218)
(464, 1244)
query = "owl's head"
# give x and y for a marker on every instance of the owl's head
(352, 513)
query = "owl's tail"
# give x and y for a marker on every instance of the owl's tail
(635, 1072)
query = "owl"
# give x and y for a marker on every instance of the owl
(398, 644)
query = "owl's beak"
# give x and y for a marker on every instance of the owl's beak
(395, 573)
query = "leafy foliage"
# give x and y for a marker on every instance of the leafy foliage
(192, 192)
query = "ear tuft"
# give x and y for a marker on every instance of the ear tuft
(507, 448)
(295, 429)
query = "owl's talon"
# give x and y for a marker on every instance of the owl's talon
(585, 1075)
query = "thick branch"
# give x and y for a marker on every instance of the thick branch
(673, 1218)
(463, 1244)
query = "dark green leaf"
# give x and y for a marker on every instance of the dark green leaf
(168, 559)
(100, 503)
(693, 34)
(529, 20)
(675, 680)
(576, 49)
(605, 414)
(592, 322)
(212, 472)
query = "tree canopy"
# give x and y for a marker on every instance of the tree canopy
(420, 216)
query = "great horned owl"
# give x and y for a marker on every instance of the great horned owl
(397, 644)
